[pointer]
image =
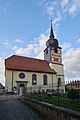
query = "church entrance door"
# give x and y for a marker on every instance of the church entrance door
(21, 87)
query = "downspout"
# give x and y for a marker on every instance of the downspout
(52, 83)
(12, 81)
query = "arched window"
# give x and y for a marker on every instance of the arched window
(45, 80)
(34, 79)
(59, 81)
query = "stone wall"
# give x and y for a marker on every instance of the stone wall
(52, 112)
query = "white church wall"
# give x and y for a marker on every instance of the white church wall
(47, 55)
(13, 76)
(8, 80)
(28, 77)
(59, 68)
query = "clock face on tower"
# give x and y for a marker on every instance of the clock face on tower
(52, 48)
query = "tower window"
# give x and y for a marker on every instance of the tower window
(59, 81)
(34, 79)
(59, 51)
(59, 60)
(44, 79)
(56, 50)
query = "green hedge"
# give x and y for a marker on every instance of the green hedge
(74, 94)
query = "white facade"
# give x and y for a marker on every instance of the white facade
(13, 79)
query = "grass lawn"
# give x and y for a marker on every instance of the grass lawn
(1, 94)
(61, 101)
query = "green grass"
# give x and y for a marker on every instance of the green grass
(61, 101)
(1, 94)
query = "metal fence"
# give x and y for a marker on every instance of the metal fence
(67, 95)
(48, 89)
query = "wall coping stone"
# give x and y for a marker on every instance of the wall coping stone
(59, 110)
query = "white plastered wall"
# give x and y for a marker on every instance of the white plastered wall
(59, 68)
(8, 80)
(14, 76)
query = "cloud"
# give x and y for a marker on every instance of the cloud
(71, 62)
(66, 46)
(41, 46)
(19, 40)
(35, 48)
(1, 64)
(7, 43)
(2, 68)
(25, 51)
(59, 9)
(73, 9)
(78, 40)
(64, 3)
(14, 47)
(75, 6)
(50, 7)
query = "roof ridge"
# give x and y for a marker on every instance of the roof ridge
(26, 57)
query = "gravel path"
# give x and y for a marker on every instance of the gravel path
(17, 110)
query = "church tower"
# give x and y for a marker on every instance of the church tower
(53, 55)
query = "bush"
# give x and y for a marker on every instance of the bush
(74, 94)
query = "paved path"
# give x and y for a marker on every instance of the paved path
(8, 97)
(12, 109)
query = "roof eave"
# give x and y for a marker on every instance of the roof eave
(50, 72)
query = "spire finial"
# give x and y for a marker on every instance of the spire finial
(51, 32)
(51, 23)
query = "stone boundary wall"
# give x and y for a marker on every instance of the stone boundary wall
(52, 112)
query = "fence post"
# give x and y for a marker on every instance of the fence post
(40, 91)
(58, 94)
(59, 84)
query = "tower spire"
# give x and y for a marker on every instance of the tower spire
(51, 32)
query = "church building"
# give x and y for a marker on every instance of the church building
(32, 74)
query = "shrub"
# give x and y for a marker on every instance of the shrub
(74, 94)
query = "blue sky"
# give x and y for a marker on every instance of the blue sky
(25, 27)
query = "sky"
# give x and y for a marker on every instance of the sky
(25, 28)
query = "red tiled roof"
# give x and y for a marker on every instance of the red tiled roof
(27, 64)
